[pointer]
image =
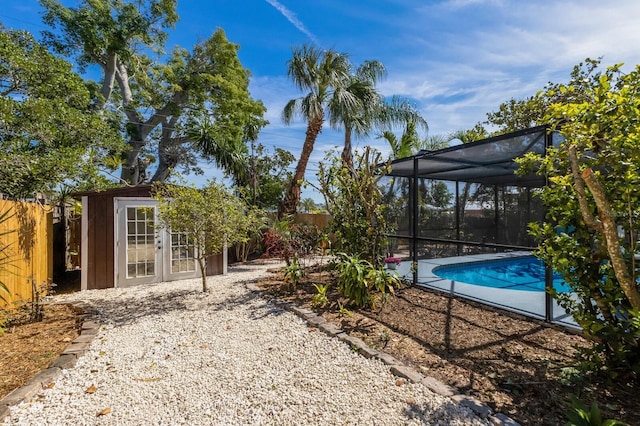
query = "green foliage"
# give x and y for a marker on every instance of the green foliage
(320, 299)
(343, 311)
(293, 272)
(362, 283)
(193, 103)
(50, 135)
(267, 177)
(580, 415)
(211, 217)
(355, 202)
(322, 74)
(250, 227)
(590, 234)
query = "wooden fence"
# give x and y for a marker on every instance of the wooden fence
(27, 235)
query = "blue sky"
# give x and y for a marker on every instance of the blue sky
(456, 59)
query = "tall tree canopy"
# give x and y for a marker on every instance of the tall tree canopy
(347, 97)
(321, 74)
(48, 133)
(590, 234)
(356, 103)
(160, 100)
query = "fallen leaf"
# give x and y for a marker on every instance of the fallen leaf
(399, 382)
(91, 389)
(49, 386)
(411, 401)
(204, 346)
(103, 412)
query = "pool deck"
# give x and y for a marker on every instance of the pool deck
(530, 303)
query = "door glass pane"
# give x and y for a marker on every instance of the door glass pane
(140, 242)
(182, 259)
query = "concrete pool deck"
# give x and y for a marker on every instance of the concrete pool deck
(530, 303)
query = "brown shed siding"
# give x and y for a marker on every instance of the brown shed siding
(215, 265)
(100, 234)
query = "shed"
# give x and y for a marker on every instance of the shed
(121, 245)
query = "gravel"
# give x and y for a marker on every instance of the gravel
(168, 354)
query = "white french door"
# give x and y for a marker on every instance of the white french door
(145, 253)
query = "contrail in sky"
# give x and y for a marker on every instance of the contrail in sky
(291, 17)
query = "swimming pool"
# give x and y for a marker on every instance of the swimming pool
(520, 273)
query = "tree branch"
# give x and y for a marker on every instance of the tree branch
(610, 233)
(578, 185)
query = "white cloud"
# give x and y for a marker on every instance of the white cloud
(292, 18)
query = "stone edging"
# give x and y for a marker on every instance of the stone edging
(396, 367)
(67, 359)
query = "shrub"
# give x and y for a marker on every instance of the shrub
(355, 202)
(293, 271)
(362, 283)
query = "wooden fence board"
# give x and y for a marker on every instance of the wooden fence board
(30, 252)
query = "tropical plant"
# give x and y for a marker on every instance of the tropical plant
(320, 299)
(356, 103)
(307, 205)
(580, 415)
(354, 199)
(322, 74)
(590, 234)
(342, 310)
(362, 283)
(293, 272)
(211, 217)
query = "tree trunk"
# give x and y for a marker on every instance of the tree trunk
(291, 199)
(130, 168)
(167, 159)
(347, 155)
(610, 232)
(202, 263)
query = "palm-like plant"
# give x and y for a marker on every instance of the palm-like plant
(322, 74)
(355, 106)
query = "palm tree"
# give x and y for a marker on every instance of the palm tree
(230, 155)
(322, 74)
(355, 105)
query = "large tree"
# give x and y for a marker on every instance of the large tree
(590, 234)
(322, 74)
(160, 99)
(48, 133)
(355, 104)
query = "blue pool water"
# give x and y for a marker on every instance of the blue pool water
(520, 273)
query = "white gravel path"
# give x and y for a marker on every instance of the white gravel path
(168, 354)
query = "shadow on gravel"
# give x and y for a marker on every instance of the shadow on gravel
(428, 413)
(259, 306)
(125, 310)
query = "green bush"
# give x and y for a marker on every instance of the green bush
(362, 283)
(355, 202)
(580, 415)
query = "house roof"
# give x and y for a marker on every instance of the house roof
(488, 161)
(117, 191)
